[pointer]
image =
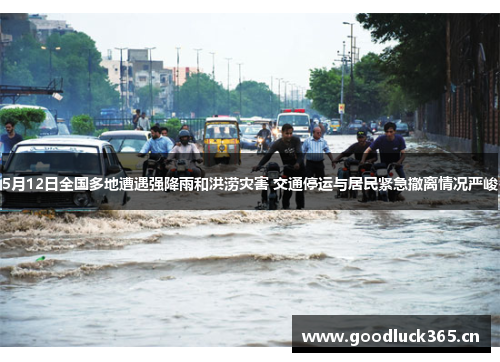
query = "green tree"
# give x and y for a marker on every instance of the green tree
(325, 87)
(417, 64)
(256, 99)
(83, 125)
(144, 95)
(28, 118)
(84, 86)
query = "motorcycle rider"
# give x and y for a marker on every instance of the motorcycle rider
(186, 151)
(157, 145)
(290, 151)
(358, 149)
(266, 136)
(366, 129)
(392, 148)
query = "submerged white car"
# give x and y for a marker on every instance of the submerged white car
(60, 175)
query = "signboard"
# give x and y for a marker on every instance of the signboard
(341, 108)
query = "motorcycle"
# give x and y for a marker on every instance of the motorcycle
(261, 145)
(381, 171)
(269, 197)
(181, 169)
(351, 169)
(155, 166)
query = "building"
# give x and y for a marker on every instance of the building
(136, 73)
(184, 74)
(45, 28)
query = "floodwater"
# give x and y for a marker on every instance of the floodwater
(235, 278)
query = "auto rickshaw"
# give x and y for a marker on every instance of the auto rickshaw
(221, 141)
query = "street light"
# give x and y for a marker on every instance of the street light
(351, 85)
(198, 81)
(177, 89)
(213, 80)
(151, 80)
(279, 94)
(286, 82)
(344, 60)
(228, 101)
(239, 66)
(121, 82)
(50, 59)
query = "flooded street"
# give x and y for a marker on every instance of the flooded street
(235, 278)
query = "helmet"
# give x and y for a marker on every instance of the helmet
(184, 133)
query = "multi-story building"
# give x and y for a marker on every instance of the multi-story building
(45, 28)
(136, 73)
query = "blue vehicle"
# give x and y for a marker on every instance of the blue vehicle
(110, 118)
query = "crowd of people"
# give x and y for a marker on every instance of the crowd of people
(299, 159)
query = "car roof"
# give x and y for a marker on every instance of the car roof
(221, 119)
(66, 141)
(125, 133)
(22, 106)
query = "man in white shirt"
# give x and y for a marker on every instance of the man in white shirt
(144, 122)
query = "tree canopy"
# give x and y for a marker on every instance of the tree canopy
(27, 64)
(417, 64)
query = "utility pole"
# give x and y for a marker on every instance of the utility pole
(343, 60)
(228, 100)
(151, 81)
(351, 85)
(89, 84)
(271, 99)
(213, 83)
(198, 81)
(121, 82)
(286, 82)
(239, 66)
(279, 94)
(177, 86)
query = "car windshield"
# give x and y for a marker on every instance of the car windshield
(49, 121)
(402, 126)
(294, 119)
(125, 143)
(335, 123)
(55, 159)
(251, 131)
(221, 131)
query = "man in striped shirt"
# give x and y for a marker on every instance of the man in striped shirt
(313, 149)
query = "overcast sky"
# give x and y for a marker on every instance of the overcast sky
(279, 38)
(268, 45)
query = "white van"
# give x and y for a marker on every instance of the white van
(298, 119)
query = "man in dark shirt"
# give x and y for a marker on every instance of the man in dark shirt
(366, 129)
(357, 149)
(11, 138)
(292, 157)
(392, 148)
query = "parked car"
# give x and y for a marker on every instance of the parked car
(402, 129)
(47, 127)
(63, 160)
(127, 144)
(353, 128)
(249, 139)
